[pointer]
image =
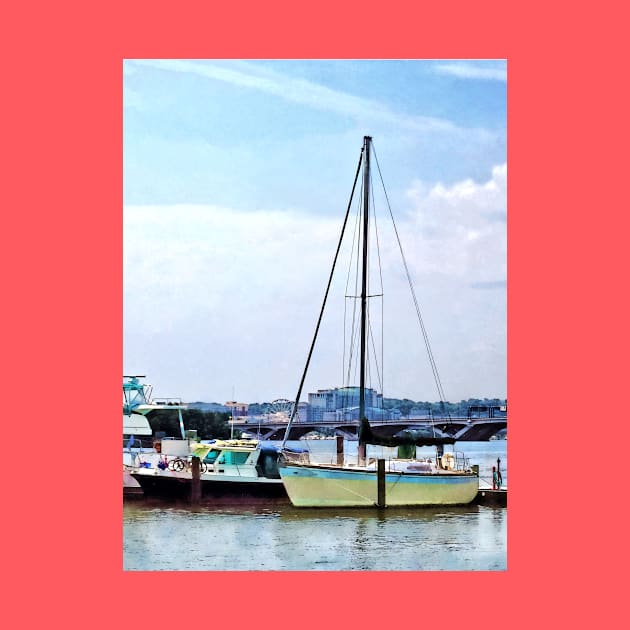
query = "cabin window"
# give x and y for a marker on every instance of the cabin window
(233, 458)
(211, 457)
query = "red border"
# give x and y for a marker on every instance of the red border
(63, 119)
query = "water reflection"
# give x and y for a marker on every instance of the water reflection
(162, 536)
(391, 513)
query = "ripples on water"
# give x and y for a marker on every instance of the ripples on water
(163, 536)
(170, 537)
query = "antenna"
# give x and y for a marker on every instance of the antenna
(232, 423)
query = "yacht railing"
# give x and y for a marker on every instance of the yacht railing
(461, 461)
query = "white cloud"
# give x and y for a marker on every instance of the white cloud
(466, 70)
(463, 227)
(217, 291)
(216, 298)
(213, 256)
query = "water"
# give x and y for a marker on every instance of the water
(163, 536)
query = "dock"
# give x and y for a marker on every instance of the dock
(490, 497)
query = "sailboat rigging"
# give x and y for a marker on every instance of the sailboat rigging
(447, 481)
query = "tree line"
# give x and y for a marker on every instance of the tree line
(458, 409)
(208, 424)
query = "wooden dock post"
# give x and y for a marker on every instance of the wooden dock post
(339, 439)
(195, 487)
(380, 483)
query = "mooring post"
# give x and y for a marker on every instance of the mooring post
(195, 488)
(339, 439)
(380, 483)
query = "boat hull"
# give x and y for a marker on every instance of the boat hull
(319, 486)
(172, 485)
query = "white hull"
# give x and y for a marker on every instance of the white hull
(319, 486)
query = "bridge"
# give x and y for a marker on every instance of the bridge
(462, 429)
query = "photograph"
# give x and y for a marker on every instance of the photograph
(314, 337)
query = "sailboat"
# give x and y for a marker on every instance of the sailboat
(445, 480)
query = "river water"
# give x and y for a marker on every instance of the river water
(167, 536)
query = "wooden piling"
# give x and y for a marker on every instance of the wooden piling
(195, 486)
(339, 439)
(380, 482)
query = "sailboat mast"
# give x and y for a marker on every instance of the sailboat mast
(366, 202)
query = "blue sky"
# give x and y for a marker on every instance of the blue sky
(236, 177)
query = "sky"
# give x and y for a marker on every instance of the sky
(236, 178)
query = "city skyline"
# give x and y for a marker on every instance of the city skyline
(270, 400)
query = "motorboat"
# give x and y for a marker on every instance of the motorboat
(232, 469)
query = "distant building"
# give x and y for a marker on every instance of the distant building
(302, 411)
(326, 403)
(487, 411)
(237, 409)
(319, 403)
